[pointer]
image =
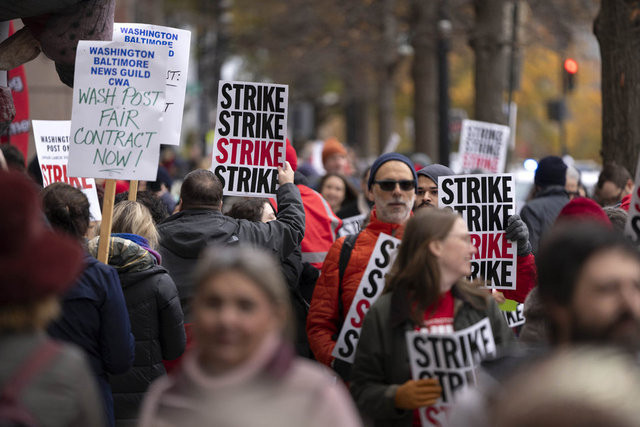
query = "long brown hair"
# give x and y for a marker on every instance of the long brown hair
(416, 268)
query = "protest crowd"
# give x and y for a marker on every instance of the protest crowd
(217, 310)
(260, 285)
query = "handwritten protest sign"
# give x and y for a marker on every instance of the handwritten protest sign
(632, 228)
(52, 147)
(118, 107)
(485, 203)
(452, 359)
(369, 290)
(483, 146)
(351, 225)
(515, 318)
(250, 137)
(179, 43)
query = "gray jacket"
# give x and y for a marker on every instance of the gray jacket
(381, 363)
(63, 393)
(184, 235)
(541, 212)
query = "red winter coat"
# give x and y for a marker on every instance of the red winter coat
(321, 227)
(526, 277)
(323, 319)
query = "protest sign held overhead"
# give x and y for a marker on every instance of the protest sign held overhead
(250, 137)
(632, 228)
(118, 108)
(450, 358)
(370, 288)
(52, 147)
(179, 43)
(483, 146)
(485, 203)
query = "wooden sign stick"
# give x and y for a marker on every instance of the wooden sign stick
(133, 189)
(107, 220)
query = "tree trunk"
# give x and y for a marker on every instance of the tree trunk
(425, 77)
(616, 28)
(489, 44)
(386, 90)
(357, 118)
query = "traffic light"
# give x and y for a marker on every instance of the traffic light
(570, 69)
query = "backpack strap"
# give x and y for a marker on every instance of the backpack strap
(38, 359)
(345, 255)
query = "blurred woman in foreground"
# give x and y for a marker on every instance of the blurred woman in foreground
(243, 370)
(426, 290)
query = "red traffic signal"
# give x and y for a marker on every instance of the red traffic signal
(570, 66)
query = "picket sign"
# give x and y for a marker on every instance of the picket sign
(250, 137)
(632, 227)
(178, 42)
(452, 359)
(483, 146)
(107, 220)
(51, 138)
(485, 202)
(133, 190)
(369, 290)
(516, 317)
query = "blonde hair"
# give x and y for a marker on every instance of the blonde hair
(133, 217)
(29, 316)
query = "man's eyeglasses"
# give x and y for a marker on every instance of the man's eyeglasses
(390, 185)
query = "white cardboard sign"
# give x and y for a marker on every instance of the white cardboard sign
(179, 43)
(632, 228)
(452, 359)
(118, 110)
(52, 147)
(250, 137)
(485, 202)
(369, 290)
(483, 146)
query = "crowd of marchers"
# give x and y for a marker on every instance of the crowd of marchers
(217, 311)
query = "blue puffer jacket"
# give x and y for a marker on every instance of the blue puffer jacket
(95, 318)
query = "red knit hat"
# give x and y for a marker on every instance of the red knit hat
(35, 262)
(292, 156)
(582, 208)
(332, 146)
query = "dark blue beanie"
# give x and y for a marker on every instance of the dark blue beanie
(387, 158)
(551, 171)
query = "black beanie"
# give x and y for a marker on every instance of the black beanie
(387, 158)
(551, 171)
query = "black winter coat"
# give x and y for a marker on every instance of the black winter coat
(184, 235)
(156, 323)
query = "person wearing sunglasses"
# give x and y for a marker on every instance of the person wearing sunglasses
(392, 183)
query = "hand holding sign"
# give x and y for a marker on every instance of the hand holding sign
(285, 174)
(416, 394)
